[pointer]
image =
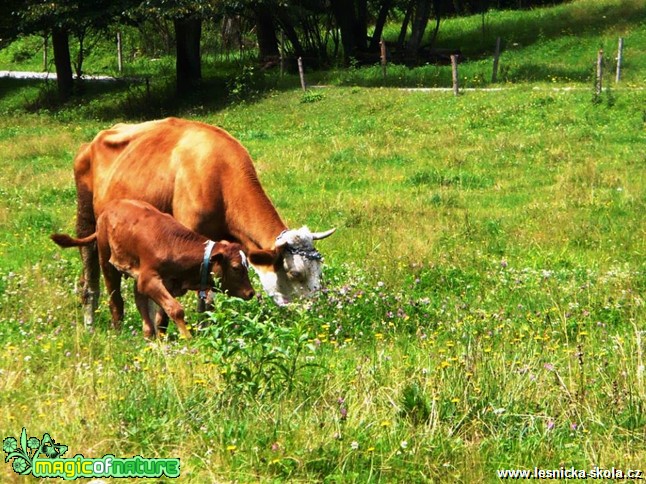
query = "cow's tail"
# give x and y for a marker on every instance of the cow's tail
(65, 240)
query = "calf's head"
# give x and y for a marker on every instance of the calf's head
(293, 268)
(229, 264)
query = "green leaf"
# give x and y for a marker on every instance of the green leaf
(17, 453)
(23, 439)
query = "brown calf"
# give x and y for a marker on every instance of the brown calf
(165, 258)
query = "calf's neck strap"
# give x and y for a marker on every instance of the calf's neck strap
(204, 269)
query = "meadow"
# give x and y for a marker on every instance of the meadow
(483, 305)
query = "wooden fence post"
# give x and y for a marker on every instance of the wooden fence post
(599, 83)
(119, 53)
(300, 72)
(496, 58)
(620, 50)
(454, 68)
(382, 46)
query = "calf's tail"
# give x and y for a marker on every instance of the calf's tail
(65, 240)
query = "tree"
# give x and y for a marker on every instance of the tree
(421, 13)
(43, 17)
(187, 17)
(60, 44)
(352, 18)
(382, 16)
(9, 21)
(417, 14)
(64, 18)
(188, 60)
(265, 31)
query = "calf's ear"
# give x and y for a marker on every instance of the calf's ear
(263, 257)
(217, 257)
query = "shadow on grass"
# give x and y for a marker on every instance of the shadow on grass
(545, 72)
(136, 99)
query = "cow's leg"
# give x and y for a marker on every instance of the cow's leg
(86, 225)
(142, 302)
(112, 279)
(154, 288)
(161, 321)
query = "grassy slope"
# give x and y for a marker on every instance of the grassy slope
(485, 305)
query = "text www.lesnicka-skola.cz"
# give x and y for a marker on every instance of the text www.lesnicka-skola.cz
(571, 473)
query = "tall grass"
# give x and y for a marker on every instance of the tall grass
(484, 307)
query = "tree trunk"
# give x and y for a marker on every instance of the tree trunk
(401, 40)
(379, 25)
(360, 25)
(266, 33)
(290, 32)
(438, 10)
(422, 12)
(343, 11)
(80, 57)
(188, 61)
(64, 81)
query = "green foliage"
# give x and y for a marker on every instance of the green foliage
(258, 355)
(312, 96)
(415, 404)
(246, 85)
(545, 45)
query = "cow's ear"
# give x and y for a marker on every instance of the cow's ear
(263, 257)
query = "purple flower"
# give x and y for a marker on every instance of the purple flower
(550, 424)
(573, 426)
(344, 413)
(548, 366)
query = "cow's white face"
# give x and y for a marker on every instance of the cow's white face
(296, 272)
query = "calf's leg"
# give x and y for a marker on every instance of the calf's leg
(112, 278)
(143, 305)
(153, 287)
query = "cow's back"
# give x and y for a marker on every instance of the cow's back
(180, 167)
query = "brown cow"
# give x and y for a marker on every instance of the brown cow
(206, 179)
(165, 258)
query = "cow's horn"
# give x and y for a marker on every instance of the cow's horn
(322, 235)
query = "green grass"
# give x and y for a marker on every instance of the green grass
(484, 302)
(485, 295)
